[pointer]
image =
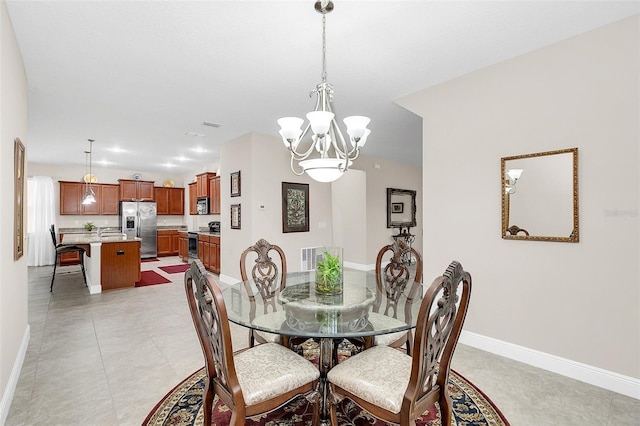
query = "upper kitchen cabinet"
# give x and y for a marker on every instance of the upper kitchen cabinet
(71, 194)
(136, 190)
(214, 193)
(193, 198)
(170, 201)
(110, 200)
(202, 184)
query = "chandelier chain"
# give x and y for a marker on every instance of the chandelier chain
(324, 48)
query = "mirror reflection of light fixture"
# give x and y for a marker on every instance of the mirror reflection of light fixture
(512, 178)
(325, 131)
(89, 196)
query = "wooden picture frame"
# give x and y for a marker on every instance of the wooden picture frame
(235, 216)
(235, 184)
(295, 207)
(18, 203)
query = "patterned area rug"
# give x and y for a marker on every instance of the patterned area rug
(183, 407)
(151, 278)
(175, 269)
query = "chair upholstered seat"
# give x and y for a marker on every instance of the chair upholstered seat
(361, 374)
(379, 321)
(271, 321)
(287, 370)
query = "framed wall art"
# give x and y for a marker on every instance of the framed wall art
(235, 216)
(397, 207)
(295, 207)
(235, 184)
(18, 204)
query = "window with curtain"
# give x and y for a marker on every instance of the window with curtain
(40, 217)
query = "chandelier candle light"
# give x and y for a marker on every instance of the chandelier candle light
(89, 196)
(325, 131)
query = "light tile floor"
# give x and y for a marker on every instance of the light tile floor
(107, 359)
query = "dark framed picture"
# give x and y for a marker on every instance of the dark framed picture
(295, 207)
(235, 216)
(235, 184)
(397, 207)
(18, 205)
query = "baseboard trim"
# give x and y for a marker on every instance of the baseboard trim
(10, 390)
(596, 376)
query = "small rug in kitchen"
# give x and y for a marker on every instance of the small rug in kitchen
(175, 269)
(151, 278)
(183, 407)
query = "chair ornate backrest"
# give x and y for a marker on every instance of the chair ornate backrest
(440, 321)
(393, 278)
(267, 275)
(212, 327)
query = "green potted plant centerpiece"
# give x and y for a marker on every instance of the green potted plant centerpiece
(329, 271)
(89, 226)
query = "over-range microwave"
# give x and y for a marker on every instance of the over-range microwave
(202, 206)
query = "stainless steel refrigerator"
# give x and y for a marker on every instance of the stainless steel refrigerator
(139, 219)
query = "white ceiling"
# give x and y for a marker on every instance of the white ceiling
(137, 75)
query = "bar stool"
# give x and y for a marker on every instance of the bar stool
(62, 249)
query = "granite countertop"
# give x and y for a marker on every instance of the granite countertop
(88, 238)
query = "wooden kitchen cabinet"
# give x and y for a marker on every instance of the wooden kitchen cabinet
(183, 250)
(209, 252)
(165, 242)
(193, 198)
(203, 250)
(175, 244)
(120, 264)
(202, 184)
(71, 258)
(136, 190)
(169, 201)
(70, 197)
(214, 193)
(110, 200)
(214, 254)
(71, 194)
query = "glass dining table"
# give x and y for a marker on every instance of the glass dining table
(360, 312)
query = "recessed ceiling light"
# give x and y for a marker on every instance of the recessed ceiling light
(211, 124)
(116, 149)
(194, 134)
(199, 150)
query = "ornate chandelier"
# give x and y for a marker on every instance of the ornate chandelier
(335, 156)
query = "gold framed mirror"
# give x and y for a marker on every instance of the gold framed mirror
(540, 196)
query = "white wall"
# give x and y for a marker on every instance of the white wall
(14, 329)
(576, 301)
(264, 165)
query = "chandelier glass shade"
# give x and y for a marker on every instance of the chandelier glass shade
(332, 156)
(89, 196)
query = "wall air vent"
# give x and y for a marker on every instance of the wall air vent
(309, 257)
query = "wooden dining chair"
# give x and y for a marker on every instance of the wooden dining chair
(395, 278)
(62, 249)
(399, 388)
(268, 273)
(251, 382)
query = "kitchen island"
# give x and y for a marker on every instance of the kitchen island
(111, 262)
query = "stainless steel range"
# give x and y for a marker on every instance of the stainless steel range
(193, 244)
